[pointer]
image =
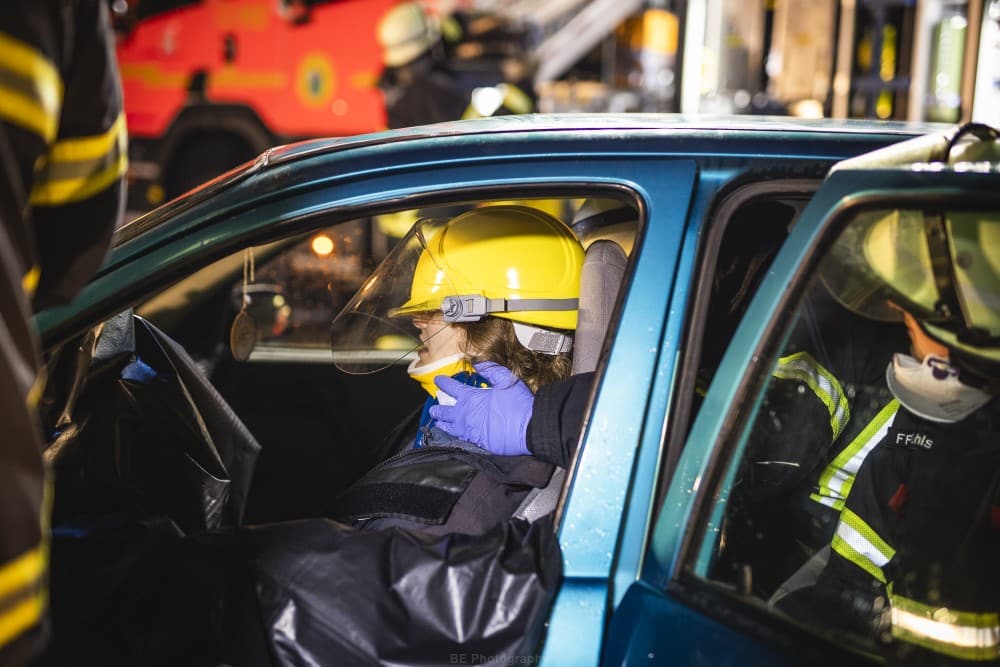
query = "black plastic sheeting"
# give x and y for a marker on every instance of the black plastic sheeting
(151, 565)
(142, 431)
(330, 596)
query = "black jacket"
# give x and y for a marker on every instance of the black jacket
(557, 417)
(62, 150)
(420, 93)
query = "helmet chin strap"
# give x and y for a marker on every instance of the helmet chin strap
(542, 340)
(931, 388)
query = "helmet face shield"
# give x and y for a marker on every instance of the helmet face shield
(881, 259)
(508, 261)
(375, 329)
(943, 268)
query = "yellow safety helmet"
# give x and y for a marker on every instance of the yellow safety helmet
(405, 33)
(942, 268)
(514, 262)
(508, 261)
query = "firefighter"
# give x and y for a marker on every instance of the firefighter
(63, 146)
(418, 83)
(913, 557)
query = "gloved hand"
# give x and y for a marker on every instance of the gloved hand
(495, 418)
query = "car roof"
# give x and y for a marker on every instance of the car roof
(705, 130)
(603, 122)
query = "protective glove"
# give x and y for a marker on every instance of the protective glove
(495, 418)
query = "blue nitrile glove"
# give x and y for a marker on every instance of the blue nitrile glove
(495, 418)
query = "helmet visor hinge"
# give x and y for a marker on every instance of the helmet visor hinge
(474, 307)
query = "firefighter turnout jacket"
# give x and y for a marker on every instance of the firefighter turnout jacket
(63, 149)
(920, 528)
(910, 507)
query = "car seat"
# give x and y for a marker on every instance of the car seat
(600, 282)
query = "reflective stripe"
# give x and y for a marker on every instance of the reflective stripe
(515, 99)
(22, 572)
(31, 91)
(837, 479)
(857, 542)
(37, 388)
(960, 634)
(803, 368)
(29, 281)
(22, 597)
(488, 100)
(22, 616)
(81, 167)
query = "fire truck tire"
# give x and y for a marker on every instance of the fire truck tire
(201, 157)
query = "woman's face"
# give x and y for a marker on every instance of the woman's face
(437, 338)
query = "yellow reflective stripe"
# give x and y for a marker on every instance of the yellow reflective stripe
(470, 113)
(81, 167)
(515, 99)
(22, 597)
(835, 503)
(851, 554)
(884, 551)
(22, 616)
(802, 367)
(35, 391)
(31, 91)
(79, 149)
(838, 477)
(23, 572)
(857, 542)
(29, 281)
(961, 634)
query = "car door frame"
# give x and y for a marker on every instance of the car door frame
(672, 595)
(662, 185)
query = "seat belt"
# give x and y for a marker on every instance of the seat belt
(542, 501)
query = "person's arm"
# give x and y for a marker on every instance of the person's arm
(850, 592)
(60, 99)
(507, 419)
(68, 138)
(557, 418)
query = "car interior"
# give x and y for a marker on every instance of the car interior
(268, 432)
(779, 543)
(163, 427)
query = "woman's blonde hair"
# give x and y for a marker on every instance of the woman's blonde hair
(493, 339)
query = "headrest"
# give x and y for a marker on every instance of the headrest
(600, 280)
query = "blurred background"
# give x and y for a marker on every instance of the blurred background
(209, 84)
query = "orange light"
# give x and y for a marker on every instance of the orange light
(322, 245)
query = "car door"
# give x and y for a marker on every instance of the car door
(729, 543)
(370, 183)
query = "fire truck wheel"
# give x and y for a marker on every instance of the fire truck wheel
(203, 157)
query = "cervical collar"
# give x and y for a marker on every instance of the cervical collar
(447, 366)
(932, 389)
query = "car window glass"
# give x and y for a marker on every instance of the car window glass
(293, 288)
(749, 244)
(865, 498)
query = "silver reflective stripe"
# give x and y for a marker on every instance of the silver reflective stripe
(853, 530)
(802, 367)
(837, 479)
(946, 632)
(962, 634)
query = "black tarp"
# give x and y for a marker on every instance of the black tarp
(142, 431)
(152, 567)
(333, 596)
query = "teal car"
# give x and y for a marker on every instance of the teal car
(665, 550)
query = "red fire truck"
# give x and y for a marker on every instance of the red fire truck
(209, 84)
